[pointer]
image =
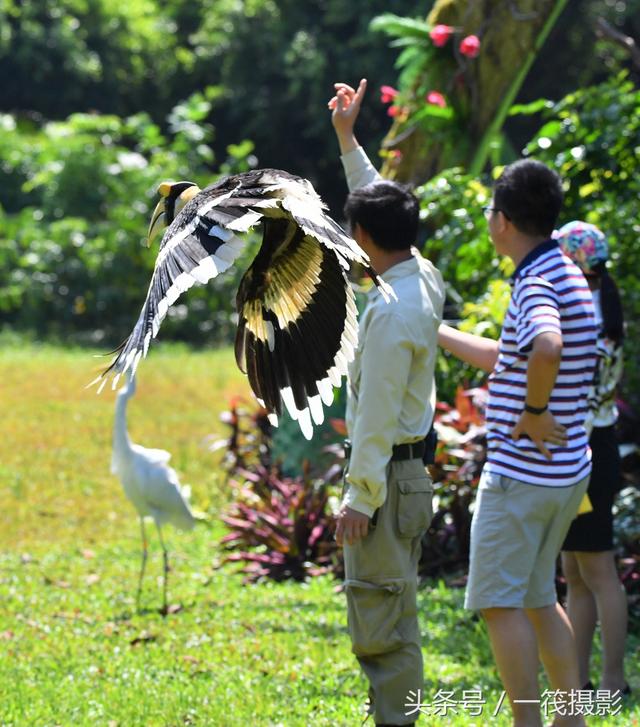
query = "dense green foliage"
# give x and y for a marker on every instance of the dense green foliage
(272, 61)
(77, 198)
(92, 54)
(457, 242)
(75, 194)
(575, 56)
(592, 137)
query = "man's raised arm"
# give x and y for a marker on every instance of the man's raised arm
(345, 107)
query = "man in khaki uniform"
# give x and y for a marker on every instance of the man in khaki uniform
(386, 507)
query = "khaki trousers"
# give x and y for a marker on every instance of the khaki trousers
(381, 584)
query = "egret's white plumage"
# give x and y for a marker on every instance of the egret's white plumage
(148, 481)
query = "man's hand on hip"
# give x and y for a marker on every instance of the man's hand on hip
(352, 525)
(540, 428)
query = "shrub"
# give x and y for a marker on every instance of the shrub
(281, 527)
(459, 458)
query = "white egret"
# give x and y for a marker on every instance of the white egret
(152, 486)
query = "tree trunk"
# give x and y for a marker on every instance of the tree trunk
(480, 89)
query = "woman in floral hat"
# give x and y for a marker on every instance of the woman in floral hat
(595, 593)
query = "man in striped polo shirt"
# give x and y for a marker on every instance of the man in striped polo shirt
(538, 460)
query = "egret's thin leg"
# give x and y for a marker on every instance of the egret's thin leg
(165, 556)
(144, 562)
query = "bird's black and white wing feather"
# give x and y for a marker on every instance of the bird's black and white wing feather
(297, 328)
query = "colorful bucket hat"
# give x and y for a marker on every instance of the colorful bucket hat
(585, 244)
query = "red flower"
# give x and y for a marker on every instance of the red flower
(435, 98)
(440, 34)
(470, 46)
(396, 154)
(388, 93)
(393, 110)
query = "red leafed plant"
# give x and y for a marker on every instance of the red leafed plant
(280, 527)
(459, 459)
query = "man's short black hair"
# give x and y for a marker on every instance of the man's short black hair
(388, 211)
(530, 194)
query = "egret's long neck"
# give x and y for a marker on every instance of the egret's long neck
(121, 441)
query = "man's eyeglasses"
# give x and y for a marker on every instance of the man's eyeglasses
(488, 210)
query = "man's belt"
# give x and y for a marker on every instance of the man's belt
(425, 449)
(402, 452)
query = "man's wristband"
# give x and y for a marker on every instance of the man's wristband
(535, 409)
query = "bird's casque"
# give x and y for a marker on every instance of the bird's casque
(297, 328)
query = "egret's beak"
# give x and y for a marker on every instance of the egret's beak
(157, 222)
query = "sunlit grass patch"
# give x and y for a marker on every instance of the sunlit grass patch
(55, 448)
(74, 652)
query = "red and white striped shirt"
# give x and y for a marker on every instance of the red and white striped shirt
(550, 294)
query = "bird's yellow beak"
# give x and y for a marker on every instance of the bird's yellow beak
(157, 222)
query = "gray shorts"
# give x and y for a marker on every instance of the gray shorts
(516, 534)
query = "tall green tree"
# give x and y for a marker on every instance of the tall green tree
(82, 55)
(522, 51)
(278, 70)
(476, 66)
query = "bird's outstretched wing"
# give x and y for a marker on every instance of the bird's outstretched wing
(298, 320)
(297, 327)
(200, 244)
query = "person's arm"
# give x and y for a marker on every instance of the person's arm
(475, 350)
(385, 365)
(345, 108)
(542, 370)
(601, 400)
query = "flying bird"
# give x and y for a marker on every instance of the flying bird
(152, 486)
(297, 328)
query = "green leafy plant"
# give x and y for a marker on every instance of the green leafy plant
(433, 63)
(592, 138)
(458, 244)
(78, 194)
(411, 35)
(431, 57)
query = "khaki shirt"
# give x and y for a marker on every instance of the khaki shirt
(391, 390)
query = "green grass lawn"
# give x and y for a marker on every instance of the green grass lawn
(72, 649)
